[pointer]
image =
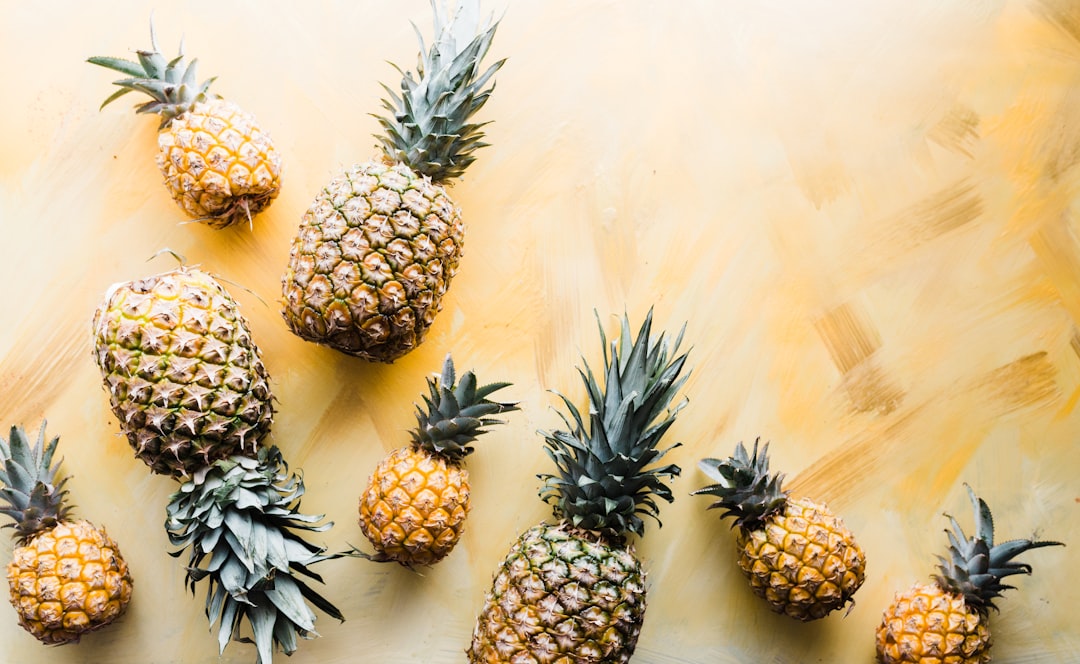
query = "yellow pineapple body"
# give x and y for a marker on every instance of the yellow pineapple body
(804, 562)
(573, 592)
(372, 260)
(414, 508)
(562, 596)
(68, 581)
(927, 625)
(184, 378)
(219, 166)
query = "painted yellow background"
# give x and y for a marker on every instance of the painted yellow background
(866, 213)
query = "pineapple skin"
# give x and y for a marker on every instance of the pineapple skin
(371, 262)
(218, 164)
(68, 581)
(805, 563)
(184, 378)
(928, 625)
(562, 597)
(413, 510)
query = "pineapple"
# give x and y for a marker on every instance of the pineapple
(184, 378)
(414, 508)
(377, 249)
(67, 577)
(187, 384)
(218, 164)
(798, 555)
(573, 591)
(946, 622)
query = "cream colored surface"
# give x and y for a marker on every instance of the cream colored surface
(867, 214)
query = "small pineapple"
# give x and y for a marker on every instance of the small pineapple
(798, 555)
(67, 577)
(946, 622)
(413, 510)
(183, 375)
(377, 249)
(186, 382)
(218, 164)
(573, 591)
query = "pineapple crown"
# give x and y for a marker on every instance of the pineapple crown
(602, 483)
(29, 492)
(428, 126)
(242, 513)
(744, 486)
(171, 84)
(975, 566)
(455, 413)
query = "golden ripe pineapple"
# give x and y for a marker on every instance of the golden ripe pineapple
(183, 375)
(66, 577)
(573, 591)
(946, 622)
(218, 164)
(413, 510)
(377, 249)
(798, 555)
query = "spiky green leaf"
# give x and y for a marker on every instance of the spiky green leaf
(252, 552)
(605, 480)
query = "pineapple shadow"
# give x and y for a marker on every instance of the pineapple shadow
(747, 616)
(356, 389)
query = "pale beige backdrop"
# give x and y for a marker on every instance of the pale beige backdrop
(866, 212)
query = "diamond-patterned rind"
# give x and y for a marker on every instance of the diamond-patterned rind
(561, 597)
(804, 562)
(68, 581)
(218, 164)
(373, 257)
(414, 508)
(183, 375)
(927, 625)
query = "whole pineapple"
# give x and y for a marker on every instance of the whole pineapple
(946, 622)
(186, 382)
(573, 591)
(218, 164)
(798, 555)
(413, 510)
(67, 577)
(183, 375)
(377, 249)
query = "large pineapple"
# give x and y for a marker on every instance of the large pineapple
(218, 164)
(413, 510)
(67, 577)
(186, 382)
(183, 375)
(798, 555)
(379, 245)
(946, 622)
(573, 590)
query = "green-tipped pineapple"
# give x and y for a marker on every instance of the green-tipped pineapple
(236, 518)
(573, 591)
(183, 375)
(946, 622)
(798, 555)
(186, 382)
(218, 164)
(67, 577)
(413, 510)
(377, 249)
